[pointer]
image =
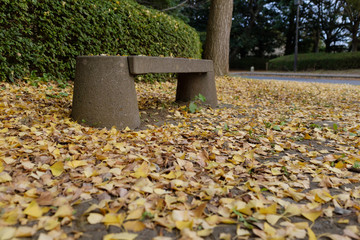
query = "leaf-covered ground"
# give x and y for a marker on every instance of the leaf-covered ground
(276, 160)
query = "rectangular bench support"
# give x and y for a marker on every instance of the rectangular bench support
(104, 93)
(104, 87)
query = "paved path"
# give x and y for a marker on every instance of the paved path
(302, 77)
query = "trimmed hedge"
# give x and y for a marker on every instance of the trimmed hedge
(43, 37)
(315, 61)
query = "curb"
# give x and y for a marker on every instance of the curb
(310, 75)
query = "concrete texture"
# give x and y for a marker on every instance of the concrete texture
(104, 88)
(143, 64)
(104, 93)
(190, 85)
(195, 76)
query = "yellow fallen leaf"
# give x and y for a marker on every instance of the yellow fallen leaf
(344, 221)
(276, 171)
(269, 230)
(5, 177)
(183, 224)
(107, 148)
(307, 136)
(292, 210)
(278, 148)
(113, 219)
(56, 153)
(205, 232)
(273, 219)
(95, 218)
(225, 236)
(7, 233)
(269, 210)
(160, 191)
(24, 231)
(135, 226)
(212, 220)
(77, 163)
(120, 236)
(311, 234)
(142, 171)
(1, 166)
(51, 224)
(170, 175)
(64, 211)
(57, 168)
(312, 215)
(241, 232)
(9, 160)
(33, 210)
(11, 217)
(135, 214)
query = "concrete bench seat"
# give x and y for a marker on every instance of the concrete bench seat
(104, 87)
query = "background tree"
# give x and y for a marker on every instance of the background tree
(217, 43)
(255, 29)
(352, 21)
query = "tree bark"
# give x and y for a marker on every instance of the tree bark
(217, 46)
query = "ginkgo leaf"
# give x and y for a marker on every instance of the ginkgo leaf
(311, 234)
(33, 210)
(24, 231)
(64, 211)
(5, 177)
(135, 226)
(7, 233)
(135, 214)
(95, 218)
(113, 219)
(57, 168)
(268, 210)
(51, 224)
(312, 215)
(142, 171)
(183, 224)
(75, 164)
(273, 219)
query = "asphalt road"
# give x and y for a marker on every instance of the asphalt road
(301, 79)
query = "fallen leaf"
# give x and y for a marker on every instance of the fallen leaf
(57, 168)
(33, 210)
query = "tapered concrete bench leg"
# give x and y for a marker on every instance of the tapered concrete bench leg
(192, 84)
(104, 93)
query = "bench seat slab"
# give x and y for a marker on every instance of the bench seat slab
(145, 64)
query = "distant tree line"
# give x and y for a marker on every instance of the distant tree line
(259, 27)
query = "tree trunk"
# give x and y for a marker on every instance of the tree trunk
(217, 46)
(354, 44)
(355, 40)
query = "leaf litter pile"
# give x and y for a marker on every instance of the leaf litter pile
(276, 160)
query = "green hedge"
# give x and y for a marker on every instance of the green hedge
(315, 61)
(43, 37)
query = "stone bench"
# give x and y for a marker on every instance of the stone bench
(104, 87)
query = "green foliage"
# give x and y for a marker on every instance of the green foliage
(45, 36)
(315, 61)
(193, 105)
